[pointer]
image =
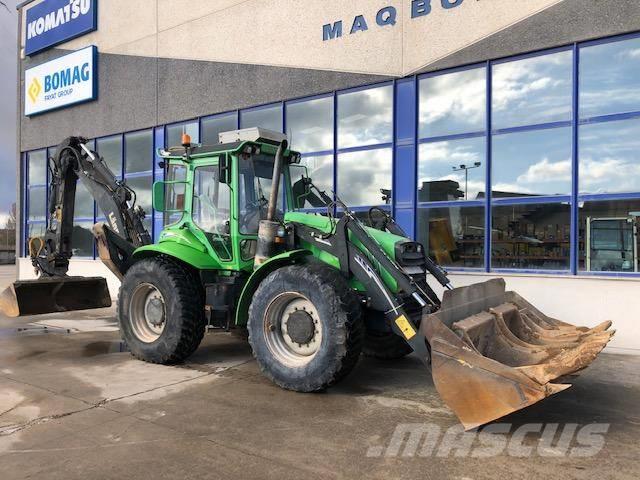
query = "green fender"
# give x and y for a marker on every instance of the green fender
(197, 258)
(274, 263)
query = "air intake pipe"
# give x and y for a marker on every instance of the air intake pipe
(268, 228)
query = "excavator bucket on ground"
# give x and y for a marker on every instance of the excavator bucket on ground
(493, 353)
(54, 294)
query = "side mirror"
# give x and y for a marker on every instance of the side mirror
(224, 169)
(169, 196)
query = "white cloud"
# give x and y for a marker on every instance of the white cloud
(546, 171)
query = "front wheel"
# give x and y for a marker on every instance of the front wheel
(305, 327)
(160, 311)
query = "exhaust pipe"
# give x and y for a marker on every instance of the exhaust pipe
(268, 228)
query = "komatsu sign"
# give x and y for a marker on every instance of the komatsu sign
(67, 80)
(55, 21)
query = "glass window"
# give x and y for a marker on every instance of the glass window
(138, 151)
(37, 203)
(212, 209)
(213, 126)
(532, 163)
(365, 177)
(453, 170)
(256, 173)
(320, 171)
(532, 91)
(269, 118)
(609, 80)
(310, 125)
(453, 103)
(610, 157)
(82, 239)
(37, 167)
(535, 236)
(142, 188)
(174, 133)
(365, 117)
(35, 230)
(83, 207)
(609, 236)
(110, 149)
(453, 236)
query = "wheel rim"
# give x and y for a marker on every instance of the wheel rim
(292, 329)
(147, 313)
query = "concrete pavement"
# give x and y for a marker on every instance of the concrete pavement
(73, 405)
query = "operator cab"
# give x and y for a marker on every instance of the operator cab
(220, 193)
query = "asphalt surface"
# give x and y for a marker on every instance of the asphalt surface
(73, 405)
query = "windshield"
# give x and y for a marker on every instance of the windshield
(256, 173)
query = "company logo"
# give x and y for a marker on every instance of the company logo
(55, 21)
(386, 16)
(64, 81)
(34, 90)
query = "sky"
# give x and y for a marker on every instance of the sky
(8, 69)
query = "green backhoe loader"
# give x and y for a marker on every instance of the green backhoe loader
(250, 242)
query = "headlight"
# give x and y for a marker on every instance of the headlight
(410, 254)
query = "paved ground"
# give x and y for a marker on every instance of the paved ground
(73, 406)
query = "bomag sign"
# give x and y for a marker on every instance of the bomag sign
(65, 81)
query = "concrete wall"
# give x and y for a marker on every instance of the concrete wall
(585, 301)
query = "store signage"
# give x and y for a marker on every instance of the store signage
(65, 81)
(55, 21)
(387, 16)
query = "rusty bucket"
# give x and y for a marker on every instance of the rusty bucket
(494, 353)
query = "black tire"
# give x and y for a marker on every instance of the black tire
(383, 345)
(184, 321)
(336, 309)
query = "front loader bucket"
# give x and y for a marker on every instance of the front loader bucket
(54, 294)
(493, 353)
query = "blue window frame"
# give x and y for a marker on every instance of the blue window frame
(524, 164)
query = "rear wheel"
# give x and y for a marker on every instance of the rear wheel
(160, 311)
(305, 327)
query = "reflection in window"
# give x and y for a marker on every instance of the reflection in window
(142, 187)
(37, 203)
(269, 118)
(365, 117)
(454, 170)
(533, 236)
(610, 157)
(212, 209)
(111, 150)
(320, 171)
(454, 236)
(310, 125)
(213, 126)
(532, 91)
(532, 163)
(35, 230)
(453, 103)
(365, 177)
(82, 239)
(37, 167)
(138, 151)
(609, 236)
(174, 133)
(83, 207)
(609, 80)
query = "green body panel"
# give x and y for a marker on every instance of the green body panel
(274, 263)
(194, 257)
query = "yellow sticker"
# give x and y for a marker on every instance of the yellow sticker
(405, 327)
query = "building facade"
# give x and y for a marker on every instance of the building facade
(503, 134)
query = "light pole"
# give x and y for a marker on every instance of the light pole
(466, 169)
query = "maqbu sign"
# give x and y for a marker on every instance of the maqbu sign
(65, 81)
(55, 21)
